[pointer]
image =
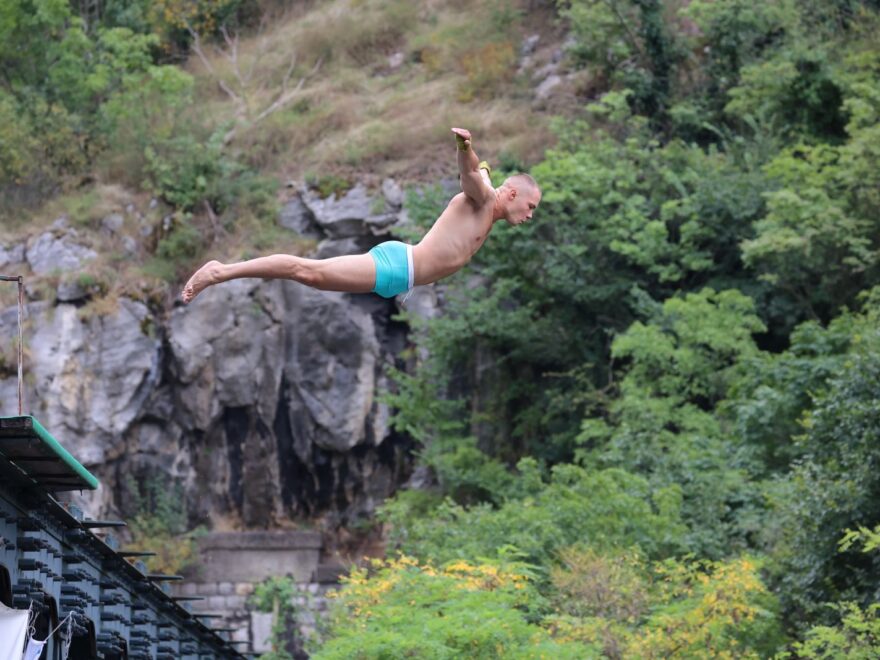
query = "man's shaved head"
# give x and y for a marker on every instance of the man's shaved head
(522, 182)
(520, 196)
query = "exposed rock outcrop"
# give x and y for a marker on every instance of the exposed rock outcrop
(48, 253)
(261, 400)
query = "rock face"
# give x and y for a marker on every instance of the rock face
(353, 214)
(260, 401)
(93, 376)
(47, 253)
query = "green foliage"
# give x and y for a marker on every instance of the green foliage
(690, 351)
(182, 241)
(676, 314)
(602, 32)
(460, 609)
(424, 204)
(328, 185)
(17, 142)
(868, 538)
(147, 114)
(58, 78)
(607, 508)
(630, 42)
(797, 90)
(679, 367)
(626, 222)
(834, 487)
(631, 608)
(160, 525)
(278, 596)
(405, 608)
(857, 637)
(737, 32)
(170, 21)
(83, 92)
(773, 390)
(818, 241)
(185, 172)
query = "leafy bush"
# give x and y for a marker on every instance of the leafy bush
(677, 368)
(406, 608)
(328, 185)
(857, 637)
(669, 609)
(279, 595)
(833, 487)
(160, 525)
(604, 509)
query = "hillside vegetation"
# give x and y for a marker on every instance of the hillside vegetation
(650, 416)
(190, 117)
(657, 405)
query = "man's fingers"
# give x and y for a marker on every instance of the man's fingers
(462, 138)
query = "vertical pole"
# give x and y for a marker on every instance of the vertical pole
(20, 345)
(20, 280)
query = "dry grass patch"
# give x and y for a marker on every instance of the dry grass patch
(355, 112)
(84, 208)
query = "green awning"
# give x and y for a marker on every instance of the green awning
(25, 443)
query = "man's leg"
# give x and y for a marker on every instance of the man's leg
(350, 274)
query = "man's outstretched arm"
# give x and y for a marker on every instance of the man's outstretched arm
(473, 183)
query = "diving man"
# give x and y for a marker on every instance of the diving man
(393, 267)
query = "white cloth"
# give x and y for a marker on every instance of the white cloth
(34, 649)
(13, 632)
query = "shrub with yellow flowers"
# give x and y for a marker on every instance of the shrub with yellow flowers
(670, 609)
(403, 608)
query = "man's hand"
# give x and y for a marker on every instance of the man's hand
(474, 183)
(462, 138)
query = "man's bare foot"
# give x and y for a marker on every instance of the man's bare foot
(203, 278)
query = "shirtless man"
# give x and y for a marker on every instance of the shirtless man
(393, 267)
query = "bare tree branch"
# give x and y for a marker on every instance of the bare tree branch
(212, 218)
(232, 55)
(244, 89)
(261, 30)
(285, 97)
(289, 72)
(200, 53)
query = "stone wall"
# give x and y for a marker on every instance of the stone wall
(231, 566)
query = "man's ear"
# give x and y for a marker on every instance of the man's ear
(513, 193)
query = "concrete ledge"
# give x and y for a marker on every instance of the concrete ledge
(236, 557)
(262, 540)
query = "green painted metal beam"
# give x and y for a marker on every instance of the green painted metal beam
(27, 444)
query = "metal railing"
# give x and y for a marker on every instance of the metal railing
(20, 280)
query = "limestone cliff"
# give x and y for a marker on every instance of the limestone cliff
(261, 399)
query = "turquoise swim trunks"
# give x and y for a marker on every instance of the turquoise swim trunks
(394, 268)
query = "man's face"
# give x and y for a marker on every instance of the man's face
(521, 205)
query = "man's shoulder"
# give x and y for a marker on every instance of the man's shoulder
(476, 204)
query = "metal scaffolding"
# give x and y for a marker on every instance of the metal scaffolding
(88, 596)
